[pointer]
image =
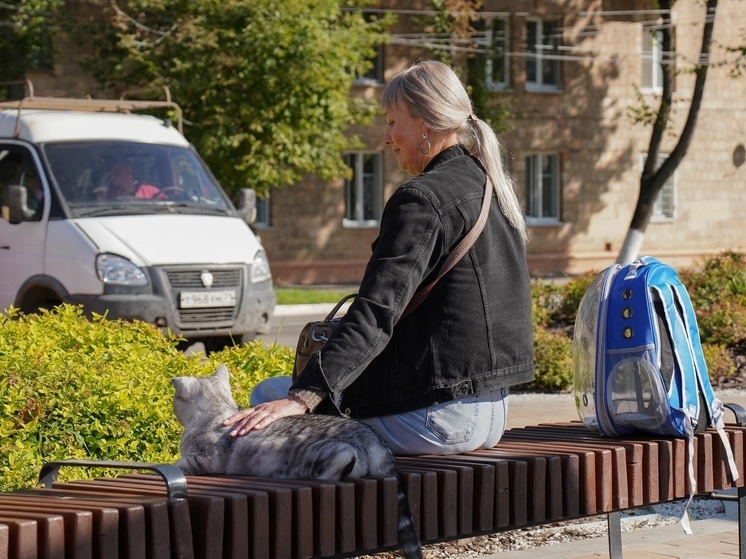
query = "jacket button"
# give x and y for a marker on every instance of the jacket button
(465, 387)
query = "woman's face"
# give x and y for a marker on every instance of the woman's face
(404, 135)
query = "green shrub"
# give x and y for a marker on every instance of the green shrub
(720, 363)
(718, 293)
(572, 294)
(100, 389)
(553, 361)
(546, 298)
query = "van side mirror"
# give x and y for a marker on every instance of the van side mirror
(15, 204)
(247, 205)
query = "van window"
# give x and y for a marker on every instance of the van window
(128, 177)
(17, 168)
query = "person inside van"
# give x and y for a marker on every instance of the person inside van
(123, 183)
(35, 199)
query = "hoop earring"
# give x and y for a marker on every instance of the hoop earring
(425, 150)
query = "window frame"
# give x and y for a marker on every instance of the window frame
(651, 60)
(267, 211)
(534, 169)
(489, 45)
(358, 221)
(541, 58)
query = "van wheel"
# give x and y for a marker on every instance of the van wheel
(218, 343)
(38, 300)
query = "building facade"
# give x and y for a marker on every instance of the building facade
(572, 72)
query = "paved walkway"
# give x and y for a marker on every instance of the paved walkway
(714, 538)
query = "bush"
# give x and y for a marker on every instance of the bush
(718, 293)
(546, 298)
(720, 363)
(553, 361)
(572, 294)
(99, 389)
(77, 388)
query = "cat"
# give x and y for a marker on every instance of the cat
(302, 446)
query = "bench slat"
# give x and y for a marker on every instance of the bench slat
(22, 541)
(175, 541)
(50, 529)
(97, 535)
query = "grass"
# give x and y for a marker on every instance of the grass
(309, 295)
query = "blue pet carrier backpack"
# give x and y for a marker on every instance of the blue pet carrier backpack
(637, 358)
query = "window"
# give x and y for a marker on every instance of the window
(542, 59)
(373, 76)
(363, 192)
(542, 188)
(497, 42)
(17, 168)
(665, 203)
(262, 220)
(652, 58)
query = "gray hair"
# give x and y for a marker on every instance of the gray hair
(433, 92)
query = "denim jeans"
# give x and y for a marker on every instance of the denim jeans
(462, 425)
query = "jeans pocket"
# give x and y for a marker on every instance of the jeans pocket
(454, 421)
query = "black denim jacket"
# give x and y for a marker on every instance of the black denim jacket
(471, 334)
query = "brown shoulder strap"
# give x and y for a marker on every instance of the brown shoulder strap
(461, 249)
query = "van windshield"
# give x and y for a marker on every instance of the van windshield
(100, 178)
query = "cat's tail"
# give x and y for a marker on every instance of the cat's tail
(409, 540)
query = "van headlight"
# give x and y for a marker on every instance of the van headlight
(115, 270)
(260, 268)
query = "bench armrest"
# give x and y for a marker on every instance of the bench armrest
(739, 412)
(176, 486)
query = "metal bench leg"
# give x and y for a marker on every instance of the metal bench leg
(741, 522)
(614, 521)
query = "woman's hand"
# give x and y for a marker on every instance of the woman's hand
(263, 415)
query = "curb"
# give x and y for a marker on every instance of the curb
(320, 309)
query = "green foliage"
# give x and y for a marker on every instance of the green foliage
(572, 294)
(25, 29)
(264, 85)
(553, 360)
(250, 364)
(77, 388)
(718, 293)
(720, 364)
(100, 389)
(302, 296)
(546, 298)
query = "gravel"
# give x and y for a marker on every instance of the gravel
(559, 532)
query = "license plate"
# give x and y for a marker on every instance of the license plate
(199, 299)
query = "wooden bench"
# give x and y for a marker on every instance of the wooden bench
(536, 475)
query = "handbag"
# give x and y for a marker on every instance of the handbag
(315, 334)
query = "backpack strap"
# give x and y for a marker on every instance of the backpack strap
(716, 411)
(683, 326)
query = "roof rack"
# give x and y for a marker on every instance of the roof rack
(121, 105)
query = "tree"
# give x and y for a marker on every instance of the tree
(24, 36)
(264, 85)
(656, 173)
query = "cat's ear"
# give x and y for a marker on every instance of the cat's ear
(181, 384)
(222, 373)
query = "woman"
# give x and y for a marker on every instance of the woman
(436, 381)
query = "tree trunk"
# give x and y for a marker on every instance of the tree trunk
(653, 177)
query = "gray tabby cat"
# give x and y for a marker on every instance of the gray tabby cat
(301, 446)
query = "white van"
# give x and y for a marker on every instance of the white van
(117, 212)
